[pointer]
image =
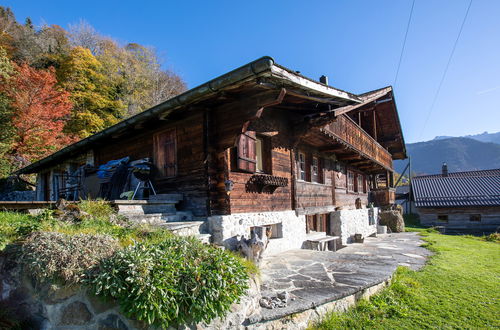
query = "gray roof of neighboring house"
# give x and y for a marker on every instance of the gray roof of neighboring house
(459, 189)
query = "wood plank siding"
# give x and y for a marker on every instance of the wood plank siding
(187, 175)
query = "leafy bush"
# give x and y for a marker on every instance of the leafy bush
(99, 209)
(14, 226)
(177, 281)
(51, 256)
(495, 237)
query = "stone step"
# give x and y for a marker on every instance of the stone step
(146, 208)
(204, 238)
(178, 216)
(152, 219)
(160, 208)
(170, 197)
(184, 228)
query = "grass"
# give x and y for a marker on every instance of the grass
(16, 226)
(458, 288)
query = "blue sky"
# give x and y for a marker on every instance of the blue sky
(356, 43)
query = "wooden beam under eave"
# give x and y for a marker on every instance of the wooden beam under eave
(353, 157)
(330, 149)
(374, 125)
(361, 162)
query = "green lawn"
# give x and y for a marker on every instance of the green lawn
(458, 288)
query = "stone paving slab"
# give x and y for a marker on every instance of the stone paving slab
(314, 278)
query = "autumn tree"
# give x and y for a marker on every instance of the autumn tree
(40, 108)
(6, 130)
(137, 71)
(95, 98)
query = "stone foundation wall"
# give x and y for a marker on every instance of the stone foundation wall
(226, 230)
(346, 223)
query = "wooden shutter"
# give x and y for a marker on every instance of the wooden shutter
(165, 148)
(245, 153)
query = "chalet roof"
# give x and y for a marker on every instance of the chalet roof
(459, 189)
(261, 71)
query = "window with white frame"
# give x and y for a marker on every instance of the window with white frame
(315, 175)
(302, 166)
(360, 183)
(350, 181)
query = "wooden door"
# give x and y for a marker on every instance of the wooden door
(46, 186)
(165, 153)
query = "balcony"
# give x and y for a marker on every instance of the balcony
(383, 196)
(348, 132)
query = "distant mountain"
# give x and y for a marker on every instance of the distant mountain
(460, 153)
(483, 137)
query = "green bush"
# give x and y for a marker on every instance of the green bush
(176, 281)
(14, 226)
(495, 237)
(99, 209)
(56, 257)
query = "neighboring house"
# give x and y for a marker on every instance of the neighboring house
(259, 146)
(466, 202)
(403, 198)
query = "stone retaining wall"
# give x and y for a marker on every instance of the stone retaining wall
(73, 307)
(305, 319)
(226, 230)
(346, 223)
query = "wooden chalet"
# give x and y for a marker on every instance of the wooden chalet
(259, 146)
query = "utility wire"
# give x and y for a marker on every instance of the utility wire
(445, 71)
(404, 43)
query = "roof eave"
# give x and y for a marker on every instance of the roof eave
(264, 66)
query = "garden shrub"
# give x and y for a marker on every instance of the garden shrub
(57, 257)
(177, 281)
(99, 209)
(14, 226)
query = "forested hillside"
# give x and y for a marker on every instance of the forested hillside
(59, 85)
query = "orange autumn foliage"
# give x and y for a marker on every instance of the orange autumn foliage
(41, 109)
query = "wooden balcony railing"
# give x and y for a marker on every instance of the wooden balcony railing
(348, 131)
(383, 196)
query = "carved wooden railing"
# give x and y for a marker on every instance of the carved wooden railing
(383, 196)
(348, 131)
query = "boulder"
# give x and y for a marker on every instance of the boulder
(76, 313)
(393, 220)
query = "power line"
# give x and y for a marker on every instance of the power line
(404, 43)
(445, 71)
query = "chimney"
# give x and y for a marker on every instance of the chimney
(323, 79)
(444, 169)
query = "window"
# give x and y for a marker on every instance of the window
(350, 181)
(360, 183)
(274, 230)
(302, 166)
(246, 159)
(165, 155)
(318, 223)
(316, 170)
(259, 153)
(443, 217)
(475, 217)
